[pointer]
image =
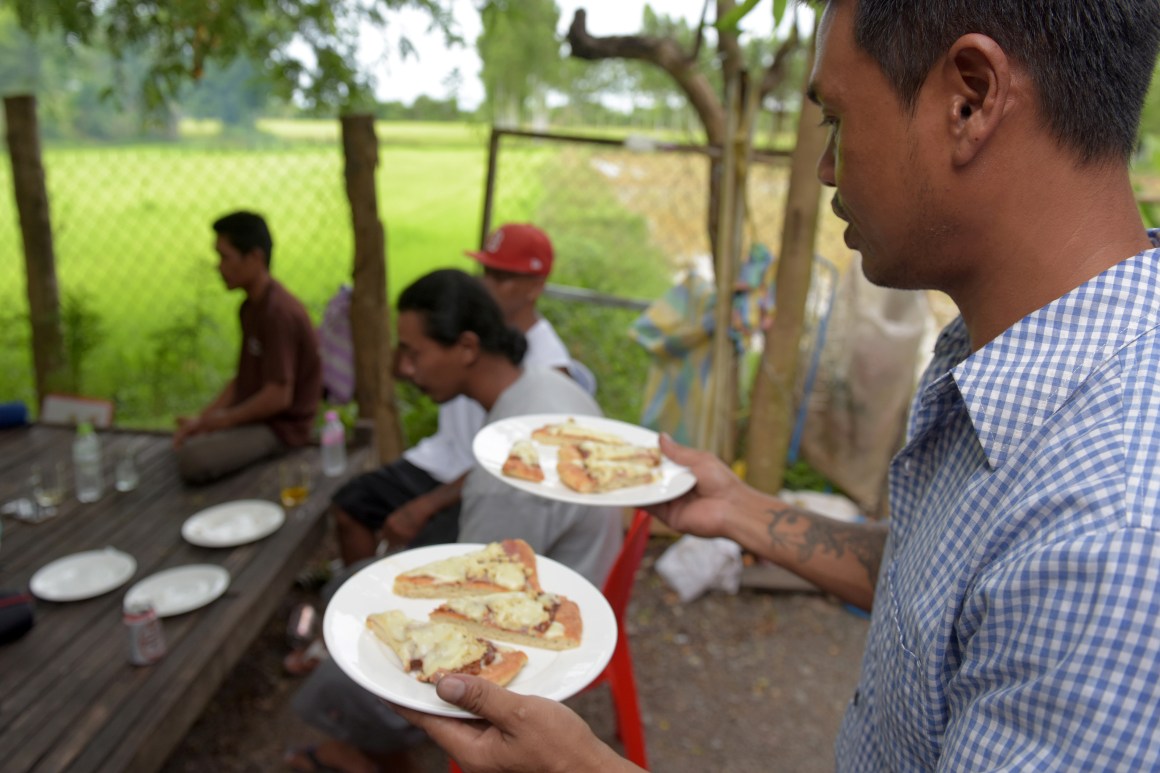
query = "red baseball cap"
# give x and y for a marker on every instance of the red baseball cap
(519, 248)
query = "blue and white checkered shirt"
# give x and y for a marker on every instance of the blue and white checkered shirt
(1016, 620)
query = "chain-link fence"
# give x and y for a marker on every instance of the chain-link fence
(146, 318)
(625, 219)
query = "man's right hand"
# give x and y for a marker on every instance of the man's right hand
(187, 426)
(704, 511)
(518, 732)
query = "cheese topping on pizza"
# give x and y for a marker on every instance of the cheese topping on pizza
(626, 453)
(571, 431)
(430, 647)
(610, 473)
(513, 611)
(492, 564)
(526, 452)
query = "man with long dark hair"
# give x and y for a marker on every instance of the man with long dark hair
(415, 500)
(454, 341)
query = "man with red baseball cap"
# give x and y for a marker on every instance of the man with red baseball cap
(516, 260)
(517, 248)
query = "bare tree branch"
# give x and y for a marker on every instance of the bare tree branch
(732, 60)
(775, 73)
(665, 53)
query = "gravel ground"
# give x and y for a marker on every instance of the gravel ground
(750, 682)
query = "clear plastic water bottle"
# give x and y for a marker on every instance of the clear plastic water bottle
(87, 463)
(333, 446)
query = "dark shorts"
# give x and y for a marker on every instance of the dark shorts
(373, 496)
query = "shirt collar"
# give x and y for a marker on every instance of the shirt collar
(1017, 381)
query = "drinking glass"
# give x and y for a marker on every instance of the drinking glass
(294, 480)
(126, 473)
(47, 487)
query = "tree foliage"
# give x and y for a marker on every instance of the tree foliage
(520, 53)
(307, 49)
(1150, 120)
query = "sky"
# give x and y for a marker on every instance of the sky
(404, 79)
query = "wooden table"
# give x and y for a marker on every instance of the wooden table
(69, 698)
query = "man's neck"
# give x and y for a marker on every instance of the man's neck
(492, 375)
(525, 320)
(1083, 222)
(257, 290)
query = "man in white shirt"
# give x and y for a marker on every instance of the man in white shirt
(414, 501)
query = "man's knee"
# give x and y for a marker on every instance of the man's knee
(194, 465)
(349, 527)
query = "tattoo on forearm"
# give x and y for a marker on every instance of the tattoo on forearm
(821, 536)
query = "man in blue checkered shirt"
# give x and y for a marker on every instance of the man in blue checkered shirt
(981, 148)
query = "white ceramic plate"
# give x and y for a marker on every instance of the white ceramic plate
(374, 665)
(180, 589)
(83, 575)
(493, 443)
(233, 523)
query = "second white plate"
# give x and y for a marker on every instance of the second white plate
(493, 443)
(233, 523)
(82, 575)
(180, 589)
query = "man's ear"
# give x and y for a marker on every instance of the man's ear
(255, 254)
(536, 287)
(469, 348)
(977, 82)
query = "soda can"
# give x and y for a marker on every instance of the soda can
(146, 640)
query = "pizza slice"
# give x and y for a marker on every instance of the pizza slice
(568, 432)
(649, 457)
(594, 476)
(497, 568)
(538, 620)
(431, 650)
(523, 462)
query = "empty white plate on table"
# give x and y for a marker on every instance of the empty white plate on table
(82, 575)
(180, 589)
(233, 523)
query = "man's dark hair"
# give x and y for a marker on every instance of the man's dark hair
(1091, 60)
(453, 303)
(246, 231)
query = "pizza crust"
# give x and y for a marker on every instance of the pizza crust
(432, 650)
(588, 475)
(554, 624)
(570, 431)
(523, 462)
(500, 567)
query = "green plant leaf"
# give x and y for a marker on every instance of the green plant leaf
(778, 12)
(729, 22)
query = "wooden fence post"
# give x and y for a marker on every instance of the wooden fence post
(48, 353)
(772, 403)
(369, 317)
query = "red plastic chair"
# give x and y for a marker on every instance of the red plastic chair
(618, 673)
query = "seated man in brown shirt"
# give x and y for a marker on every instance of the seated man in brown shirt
(270, 404)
